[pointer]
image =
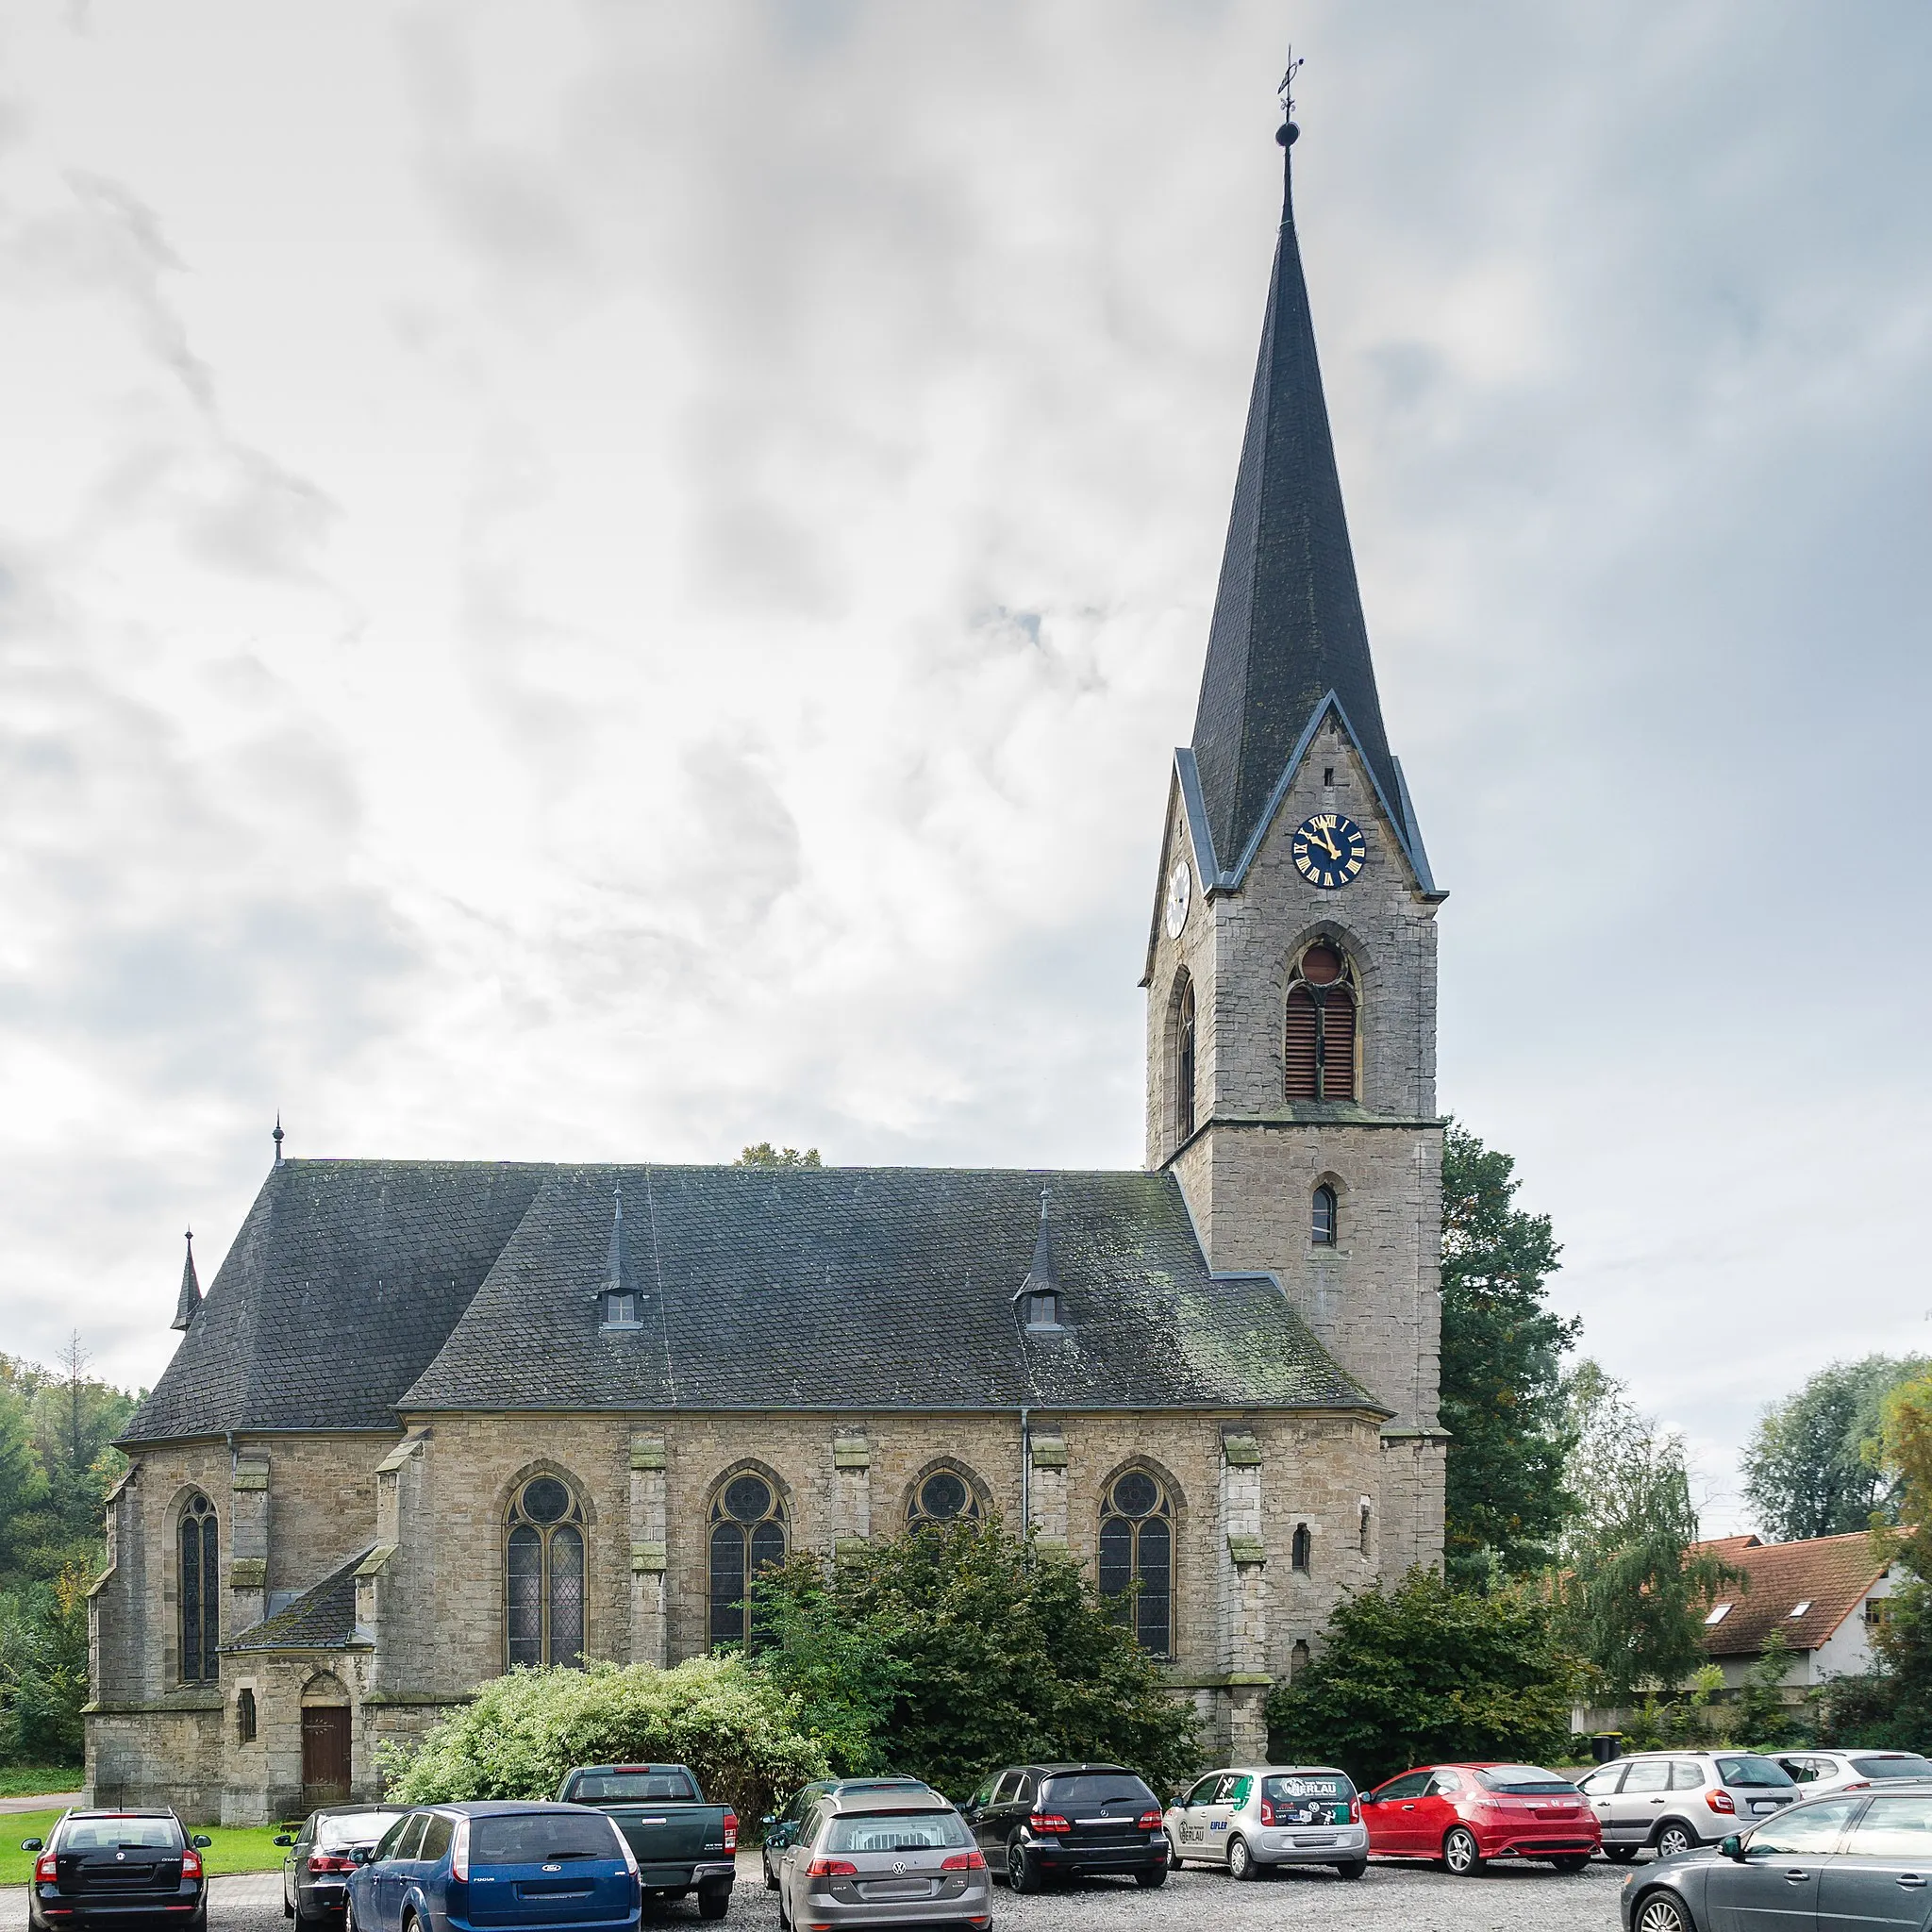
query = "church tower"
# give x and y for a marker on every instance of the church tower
(1292, 960)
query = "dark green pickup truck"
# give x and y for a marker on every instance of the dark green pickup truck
(680, 1842)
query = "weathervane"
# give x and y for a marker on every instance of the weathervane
(1287, 130)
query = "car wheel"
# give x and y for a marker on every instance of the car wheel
(1022, 1874)
(1573, 1862)
(1674, 1837)
(1154, 1876)
(1660, 1912)
(714, 1901)
(1351, 1868)
(1241, 1861)
(349, 1924)
(287, 1909)
(771, 1880)
(1621, 1854)
(783, 1923)
(1461, 1855)
(1173, 1856)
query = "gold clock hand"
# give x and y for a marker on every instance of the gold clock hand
(1328, 840)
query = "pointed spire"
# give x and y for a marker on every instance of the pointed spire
(276, 1136)
(617, 1275)
(189, 1306)
(1042, 1277)
(1288, 625)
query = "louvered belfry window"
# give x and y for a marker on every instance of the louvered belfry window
(201, 1592)
(1318, 1052)
(544, 1577)
(1183, 1059)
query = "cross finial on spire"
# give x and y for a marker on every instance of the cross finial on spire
(276, 1136)
(189, 1303)
(1287, 130)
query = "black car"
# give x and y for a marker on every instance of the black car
(1037, 1821)
(315, 1874)
(112, 1867)
(781, 1826)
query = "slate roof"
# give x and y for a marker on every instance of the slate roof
(1832, 1575)
(344, 1280)
(1288, 627)
(828, 1288)
(322, 1618)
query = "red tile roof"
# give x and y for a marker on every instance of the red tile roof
(1830, 1574)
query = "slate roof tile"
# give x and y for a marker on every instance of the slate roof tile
(322, 1618)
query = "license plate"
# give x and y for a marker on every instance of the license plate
(1764, 1804)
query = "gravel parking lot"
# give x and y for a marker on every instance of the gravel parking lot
(1392, 1898)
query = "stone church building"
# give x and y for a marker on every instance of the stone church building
(436, 1418)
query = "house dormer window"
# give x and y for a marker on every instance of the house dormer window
(621, 1309)
(1043, 1311)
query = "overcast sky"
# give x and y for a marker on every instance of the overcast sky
(607, 581)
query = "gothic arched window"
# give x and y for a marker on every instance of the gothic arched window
(1136, 1546)
(747, 1536)
(543, 1575)
(1317, 1042)
(1323, 1223)
(1183, 1059)
(941, 1496)
(201, 1592)
(1301, 1549)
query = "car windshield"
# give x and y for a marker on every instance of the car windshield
(1523, 1780)
(1753, 1772)
(354, 1829)
(542, 1838)
(635, 1787)
(1306, 1784)
(121, 1834)
(1096, 1790)
(1905, 1764)
(896, 1831)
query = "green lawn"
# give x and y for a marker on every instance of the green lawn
(24, 1780)
(250, 1849)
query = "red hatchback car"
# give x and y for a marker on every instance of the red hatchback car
(1462, 1814)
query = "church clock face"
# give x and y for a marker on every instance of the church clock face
(1180, 893)
(1328, 850)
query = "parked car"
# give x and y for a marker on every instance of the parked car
(1250, 1817)
(98, 1868)
(1677, 1800)
(498, 1867)
(315, 1874)
(882, 1858)
(1463, 1815)
(1849, 1859)
(1817, 1771)
(781, 1826)
(1038, 1822)
(680, 1842)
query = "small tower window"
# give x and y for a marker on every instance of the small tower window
(1319, 1028)
(245, 1717)
(1301, 1549)
(1298, 1658)
(1321, 1229)
(1365, 1526)
(1184, 1059)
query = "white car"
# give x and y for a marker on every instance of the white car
(1816, 1772)
(1249, 1817)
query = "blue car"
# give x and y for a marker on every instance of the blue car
(496, 1868)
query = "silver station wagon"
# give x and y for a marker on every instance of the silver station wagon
(1250, 1817)
(868, 1857)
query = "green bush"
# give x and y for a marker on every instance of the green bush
(738, 1729)
(1424, 1673)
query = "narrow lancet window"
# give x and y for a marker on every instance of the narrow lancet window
(201, 1592)
(544, 1577)
(1137, 1549)
(747, 1536)
(1184, 1059)
(1322, 1229)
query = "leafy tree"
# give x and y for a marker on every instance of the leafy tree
(743, 1735)
(989, 1649)
(1813, 1467)
(1427, 1672)
(1633, 1590)
(1764, 1720)
(765, 1155)
(43, 1670)
(1502, 1383)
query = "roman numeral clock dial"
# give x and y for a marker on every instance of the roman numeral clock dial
(1328, 849)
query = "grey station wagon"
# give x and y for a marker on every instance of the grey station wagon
(1673, 1801)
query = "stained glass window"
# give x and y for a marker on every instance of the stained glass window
(1137, 1549)
(201, 1592)
(747, 1536)
(544, 1577)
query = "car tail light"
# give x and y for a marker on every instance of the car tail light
(831, 1868)
(190, 1864)
(1267, 1813)
(964, 1861)
(1048, 1822)
(731, 1831)
(630, 1858)
(459, 1850)
(1355, 1811)
(48, 1869)
(327, 1861)
(1721, 1801)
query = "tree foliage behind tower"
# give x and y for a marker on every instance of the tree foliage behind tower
(1502, 1396)
(1814, 1467)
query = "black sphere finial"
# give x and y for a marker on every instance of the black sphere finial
(1288, 134)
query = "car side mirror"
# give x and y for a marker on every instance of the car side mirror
(32, 1844)
(770, 1819)
(201, 1844)
(1732, 1847)
(285, 1840)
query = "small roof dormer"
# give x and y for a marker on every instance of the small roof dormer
(620, 1301)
